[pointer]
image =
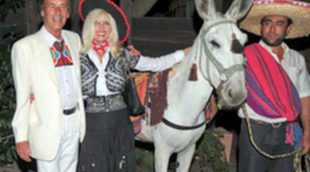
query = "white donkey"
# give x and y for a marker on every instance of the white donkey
(217, 52)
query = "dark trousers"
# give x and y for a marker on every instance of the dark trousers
(271, 140)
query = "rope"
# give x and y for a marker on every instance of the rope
(297, 152)
(307, 163)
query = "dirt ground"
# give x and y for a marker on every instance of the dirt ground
(10, 168)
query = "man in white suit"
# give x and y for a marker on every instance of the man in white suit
(46, 65)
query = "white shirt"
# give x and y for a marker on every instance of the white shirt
(144, 64)
(295, 66)
(67, 83)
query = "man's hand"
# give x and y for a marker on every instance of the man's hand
(133, 51)
(23, 150)
(306, 143)
(305, 118)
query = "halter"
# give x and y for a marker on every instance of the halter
(225, 73)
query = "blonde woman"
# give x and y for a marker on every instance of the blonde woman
(109, 142)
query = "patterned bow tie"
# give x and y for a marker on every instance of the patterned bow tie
(61, 54)
(100, 49)
(59, 46)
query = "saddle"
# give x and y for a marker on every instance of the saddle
(152, 90)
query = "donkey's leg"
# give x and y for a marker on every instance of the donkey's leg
(184, 158)
(162, 155)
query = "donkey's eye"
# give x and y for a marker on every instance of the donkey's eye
(215, 44)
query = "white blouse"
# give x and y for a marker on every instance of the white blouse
(144, 64)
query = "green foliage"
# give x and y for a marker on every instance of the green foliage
(144, 159)
(9, 5)
(7, 102)
(7, 94)
(210, 153)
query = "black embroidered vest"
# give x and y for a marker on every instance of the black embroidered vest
(116, 73)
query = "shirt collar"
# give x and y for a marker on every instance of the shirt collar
(49, 37)
(93, 52)
(268, 48)
(94, 57)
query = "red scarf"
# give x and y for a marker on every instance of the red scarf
(100, 48)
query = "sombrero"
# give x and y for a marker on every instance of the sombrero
(297, 11)
(123, 26)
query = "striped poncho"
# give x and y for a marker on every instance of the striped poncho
(271, 93)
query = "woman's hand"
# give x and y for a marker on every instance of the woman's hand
(133, 51)
(211, 109)
(186, 50)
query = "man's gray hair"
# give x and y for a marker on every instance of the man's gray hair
(41, 4)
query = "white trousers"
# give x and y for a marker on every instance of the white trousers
(67, 154)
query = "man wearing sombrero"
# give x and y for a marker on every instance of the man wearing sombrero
(278, 88)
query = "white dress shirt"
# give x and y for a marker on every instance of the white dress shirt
(67, 83)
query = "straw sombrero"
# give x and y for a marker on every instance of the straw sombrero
(297, 11)
(121, 20)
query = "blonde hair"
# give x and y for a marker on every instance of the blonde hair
(88, 31)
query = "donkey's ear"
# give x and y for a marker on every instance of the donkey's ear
(205, 8)
(239, 8)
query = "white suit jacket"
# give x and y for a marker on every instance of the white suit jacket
(40, 122)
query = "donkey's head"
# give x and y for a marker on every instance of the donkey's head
(221, 62)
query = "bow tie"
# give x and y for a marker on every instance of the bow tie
(59, 46)
(61, 54)
(100, 49)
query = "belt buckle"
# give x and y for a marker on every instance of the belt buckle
(69, 111)
(276, 125)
